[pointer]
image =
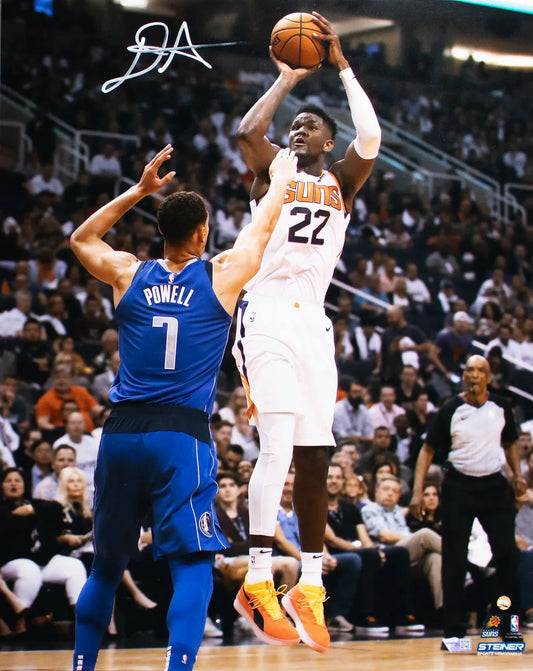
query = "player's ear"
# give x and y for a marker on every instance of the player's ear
(328, 145)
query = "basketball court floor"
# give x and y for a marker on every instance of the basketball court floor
(423, 654)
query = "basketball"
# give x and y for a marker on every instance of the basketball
(293, 43)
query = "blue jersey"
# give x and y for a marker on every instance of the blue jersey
(172, 336)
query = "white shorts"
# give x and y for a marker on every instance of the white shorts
(285, 353)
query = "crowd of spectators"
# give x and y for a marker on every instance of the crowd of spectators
(436, 278)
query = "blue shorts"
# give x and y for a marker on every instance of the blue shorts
(161, 456)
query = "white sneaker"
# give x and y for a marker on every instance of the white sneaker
(339, 623)
(211, 630)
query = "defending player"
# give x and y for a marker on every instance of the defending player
(174, 315)
(284, 345)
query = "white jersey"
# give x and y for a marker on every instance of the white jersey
(307, 242)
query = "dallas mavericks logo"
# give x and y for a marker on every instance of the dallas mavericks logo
(205, 525)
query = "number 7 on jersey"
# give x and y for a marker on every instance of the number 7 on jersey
(172, 339)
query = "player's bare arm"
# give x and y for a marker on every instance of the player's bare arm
(354, 169)
(233, 268)
(108, 265)
(256, 148)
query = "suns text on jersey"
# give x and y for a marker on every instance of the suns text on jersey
(168, 293)
(309, 192)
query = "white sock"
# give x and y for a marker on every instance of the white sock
(259, 565)
(312, 568)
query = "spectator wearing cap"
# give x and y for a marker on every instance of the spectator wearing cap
(452, 347)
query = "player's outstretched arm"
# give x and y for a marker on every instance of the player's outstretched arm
(233, 268)
(256, 148)
(354, 169)
(86, 242)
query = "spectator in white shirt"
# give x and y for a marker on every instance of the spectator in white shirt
(416, 288)
(12, 321)
(9, 443)
(106, 164)
(367, 342)
(515, 159)
(45, 181)
(399, 294)
(230, 223)
(85, 445)
(509, 346)
(499, 288)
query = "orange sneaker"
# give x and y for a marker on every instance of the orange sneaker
(259, 605)
(305, 604)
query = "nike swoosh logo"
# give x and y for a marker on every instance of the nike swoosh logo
(318, 556)
(328, 328)
(262, 552)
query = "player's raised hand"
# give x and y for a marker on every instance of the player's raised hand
(335, 55)
(150, 181)
(283, 165)
(296, 73)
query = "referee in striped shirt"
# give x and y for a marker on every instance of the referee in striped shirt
(468, 433)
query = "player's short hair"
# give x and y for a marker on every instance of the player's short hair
(326, 118)
(180, 214)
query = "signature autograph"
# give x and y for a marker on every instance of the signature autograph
(140, 47)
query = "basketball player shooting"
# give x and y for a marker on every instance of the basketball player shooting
(174, 315)
(284, 345)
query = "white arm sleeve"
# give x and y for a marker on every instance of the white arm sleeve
(363, 116)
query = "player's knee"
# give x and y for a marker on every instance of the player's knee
(311, 459)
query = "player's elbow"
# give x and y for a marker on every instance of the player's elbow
(76, 240)
(76, 245)
(248, 134)
(245, 128)
(368, 146)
